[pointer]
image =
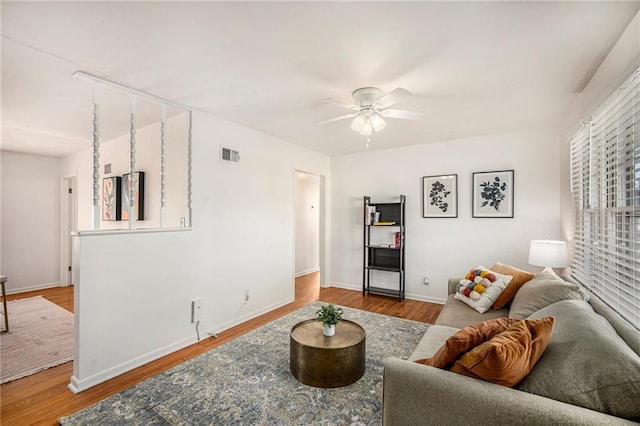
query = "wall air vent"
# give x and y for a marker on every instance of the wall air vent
(229, 155)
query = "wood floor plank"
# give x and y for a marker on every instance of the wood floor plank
(40, 399)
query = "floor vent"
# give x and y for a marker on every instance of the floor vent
(229, 155)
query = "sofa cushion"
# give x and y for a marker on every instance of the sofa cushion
(541, 291)
(481, 287)
(459, 315)
(433, 339)
(466, 339)
(510, 355)
(586, 363)
(519, 279)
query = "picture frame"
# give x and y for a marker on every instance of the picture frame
(493, 194)
(440, 196)
(138, 195)
(111, 198)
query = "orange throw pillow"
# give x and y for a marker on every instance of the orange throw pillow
(466, 339)
(519, 279)
(509, 356)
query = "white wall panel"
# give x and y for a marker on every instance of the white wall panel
(30, 221)
(440, 248)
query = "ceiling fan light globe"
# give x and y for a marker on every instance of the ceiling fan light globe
(377, 122)
(358, 123)
(367, 129)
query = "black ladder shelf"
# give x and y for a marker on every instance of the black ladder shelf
(388, 257)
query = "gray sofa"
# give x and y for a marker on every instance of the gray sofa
(591, 361)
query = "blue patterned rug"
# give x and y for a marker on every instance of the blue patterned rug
(247, 381)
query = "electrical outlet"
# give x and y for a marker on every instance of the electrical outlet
(197, 310)
(426, 280)
(246, 294)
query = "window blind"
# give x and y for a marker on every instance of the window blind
(605, 187)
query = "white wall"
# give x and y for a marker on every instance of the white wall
(441, 248)
(133, 298)
(307, 216)
(30, 221)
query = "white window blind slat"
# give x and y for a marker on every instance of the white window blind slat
(605, 185)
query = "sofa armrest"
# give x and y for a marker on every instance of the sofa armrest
(415, 394)
(453, 282)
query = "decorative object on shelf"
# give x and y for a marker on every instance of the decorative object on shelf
(493, 194)
(111, 198)
(549, 254)
(330, 315)
(384, 251)
(370, 215)
(138, 195)
(440, 196)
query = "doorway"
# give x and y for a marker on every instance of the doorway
(68, 225)
(309, 215)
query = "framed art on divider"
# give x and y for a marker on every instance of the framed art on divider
(138, 195)
(440, 196)
(111, 198)
(493, 194)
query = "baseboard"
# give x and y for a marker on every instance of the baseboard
(346, 286)
(78, 385)
(410, 296)
(308, 271)
(33, 287)
(249, 316)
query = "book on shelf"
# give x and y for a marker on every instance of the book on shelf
(369, 216)
(384, 223)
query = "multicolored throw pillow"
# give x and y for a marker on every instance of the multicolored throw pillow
(481, 287)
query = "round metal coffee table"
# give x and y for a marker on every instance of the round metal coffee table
(327, 362)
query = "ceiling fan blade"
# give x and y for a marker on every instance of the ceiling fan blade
(401, 113)
(342, 117)
(392, 97)
(343, 103)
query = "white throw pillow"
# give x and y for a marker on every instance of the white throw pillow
(490, 283)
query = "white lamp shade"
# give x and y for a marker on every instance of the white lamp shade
(358, 122)
(366, 128)
(548, 253)
(377, 122)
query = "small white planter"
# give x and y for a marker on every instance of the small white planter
(328, 329)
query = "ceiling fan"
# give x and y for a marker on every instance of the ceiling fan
(371, 107)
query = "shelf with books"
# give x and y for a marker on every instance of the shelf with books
(380, 255)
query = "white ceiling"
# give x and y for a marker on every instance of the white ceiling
(474, 67)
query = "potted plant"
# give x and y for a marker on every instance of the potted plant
(329, 315)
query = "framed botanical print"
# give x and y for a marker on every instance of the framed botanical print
(111, 198)
(493, 194)
(440, 196)
(138, 195)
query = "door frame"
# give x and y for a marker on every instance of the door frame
(323, 238)
(68, 224)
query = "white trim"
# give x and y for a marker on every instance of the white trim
(35, 287)
(242, 319)
(128, 231)
(77, 386)
(410, 296)
(308, 271)
(94, 79)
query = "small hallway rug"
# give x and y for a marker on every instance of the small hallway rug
(247, 381)
(40, 336)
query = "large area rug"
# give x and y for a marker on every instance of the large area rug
(40, 336)
(247, 381)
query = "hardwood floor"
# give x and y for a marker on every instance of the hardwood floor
(42, 398)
